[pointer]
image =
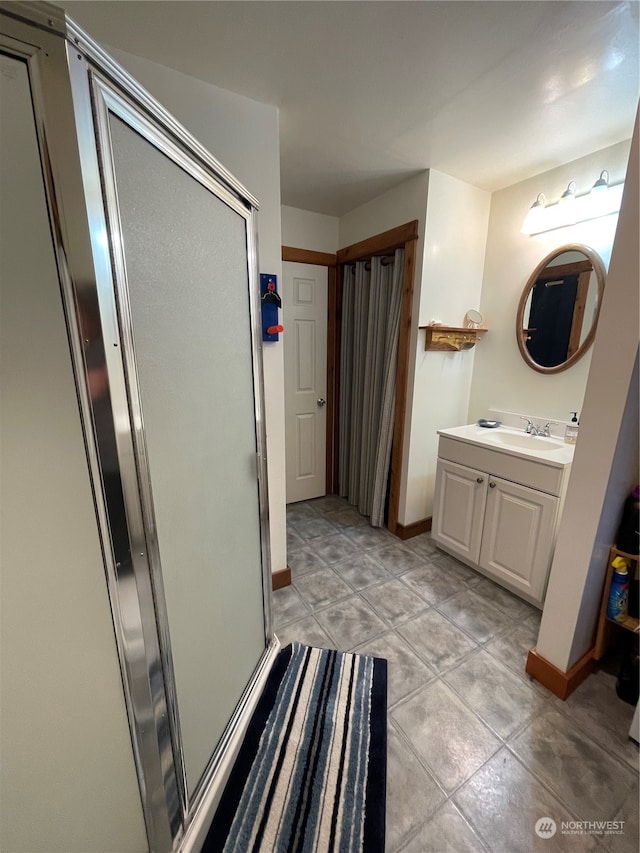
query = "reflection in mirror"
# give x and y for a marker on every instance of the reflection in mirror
(558, 309)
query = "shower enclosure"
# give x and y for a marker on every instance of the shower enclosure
(132, 396)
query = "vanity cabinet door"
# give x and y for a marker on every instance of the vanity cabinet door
(459, 507)
(517, 540)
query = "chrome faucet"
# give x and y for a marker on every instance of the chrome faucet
(529, 429)
(537, 429)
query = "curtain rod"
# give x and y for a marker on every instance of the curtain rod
(386, 260)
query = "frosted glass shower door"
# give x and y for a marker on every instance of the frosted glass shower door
(187, 287)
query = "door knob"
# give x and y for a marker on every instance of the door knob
(492, 485)
(479, 480)
(321, 402)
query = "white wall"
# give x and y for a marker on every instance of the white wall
(404, 203)
(450, 284)
(68, 782)
(243, 135)
(501, 379)
(303, 229)
(605, 466)
(452, 225)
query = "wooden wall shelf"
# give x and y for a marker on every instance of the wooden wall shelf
(451, 338)
(605, 627)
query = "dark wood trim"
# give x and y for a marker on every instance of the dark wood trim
(408, 531)
(281, 578)
(562, 270)
(402, 383)
(561, 684)
(579, 306)
(395, 238)
(306, 256)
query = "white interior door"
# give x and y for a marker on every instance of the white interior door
(304, 304)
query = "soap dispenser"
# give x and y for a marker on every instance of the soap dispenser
(571, 431)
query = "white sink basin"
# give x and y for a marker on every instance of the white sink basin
(527, 442)
(553, 451)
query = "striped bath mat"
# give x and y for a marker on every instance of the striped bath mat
(311, 772)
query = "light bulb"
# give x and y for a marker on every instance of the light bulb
(534, 219)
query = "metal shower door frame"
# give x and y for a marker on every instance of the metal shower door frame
(74, 85)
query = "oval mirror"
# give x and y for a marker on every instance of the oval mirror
(559, 307)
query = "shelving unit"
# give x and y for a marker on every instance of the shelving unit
(451, 338)
(606, 626)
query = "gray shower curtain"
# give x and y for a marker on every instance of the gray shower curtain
(369, 351)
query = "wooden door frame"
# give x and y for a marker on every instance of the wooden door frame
(323, 259)
(403, 237)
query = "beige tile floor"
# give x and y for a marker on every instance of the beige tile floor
(477, 752)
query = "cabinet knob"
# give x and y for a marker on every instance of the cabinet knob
(492, 485)
(480, 480)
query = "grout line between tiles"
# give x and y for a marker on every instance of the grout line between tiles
(449, 794)
(396, 626)
(545, 784)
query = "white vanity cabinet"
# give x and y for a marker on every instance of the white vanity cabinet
(498, 512)
(458, 512)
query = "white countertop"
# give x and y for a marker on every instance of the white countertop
(547, 451)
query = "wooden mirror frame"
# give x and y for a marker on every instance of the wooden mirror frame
(598, 268)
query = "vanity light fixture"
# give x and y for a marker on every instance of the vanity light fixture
(602, 184)
(564, 213)
(601, 195)
(534, 222)
(602, 200)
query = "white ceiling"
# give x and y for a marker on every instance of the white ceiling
(370, 93)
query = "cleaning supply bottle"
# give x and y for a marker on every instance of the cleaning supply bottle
(619, 589)
(571, 430)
